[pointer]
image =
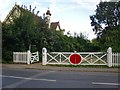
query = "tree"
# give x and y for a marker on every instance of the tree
(30, 30)
(106, 24)
(20, 33)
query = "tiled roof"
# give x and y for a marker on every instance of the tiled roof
(19, 8)
(54, 25)
(11, 12)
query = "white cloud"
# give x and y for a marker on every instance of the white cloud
(87, 4)
(64, 5)
(60, 7)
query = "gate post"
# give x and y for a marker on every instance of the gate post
(28, 57)
(109, 57)
(44, 56)
(38, 56)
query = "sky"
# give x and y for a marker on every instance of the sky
(73, 15)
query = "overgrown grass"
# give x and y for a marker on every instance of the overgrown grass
(74, 66)
(83, 66)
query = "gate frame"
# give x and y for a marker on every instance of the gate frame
(109, 56)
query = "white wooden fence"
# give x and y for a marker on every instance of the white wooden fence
(25, 57)
(20, 57)
(115, 59)
(88, 58)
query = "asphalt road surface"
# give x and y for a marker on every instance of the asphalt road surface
(30, 78)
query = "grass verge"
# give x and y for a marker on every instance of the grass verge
(83, 66)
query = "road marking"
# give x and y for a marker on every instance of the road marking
(25, 79)
(28, 78)
(102, 83)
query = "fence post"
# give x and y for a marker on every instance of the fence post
(44, 56)
(38, 56)
(28, 57)
(109, 57)
(13, 56)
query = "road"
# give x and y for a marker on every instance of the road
(30, 78)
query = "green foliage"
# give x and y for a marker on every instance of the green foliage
(18, 34)
(29, 29)
(106, 25)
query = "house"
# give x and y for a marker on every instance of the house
(55, 25)
(51, 25)
(16, 11)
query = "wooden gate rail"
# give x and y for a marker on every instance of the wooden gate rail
(88, 58)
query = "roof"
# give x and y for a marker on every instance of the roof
(11, 12)
(54, 25)
(16, 10)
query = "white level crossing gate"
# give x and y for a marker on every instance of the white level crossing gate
(96, 58)
(88, 58)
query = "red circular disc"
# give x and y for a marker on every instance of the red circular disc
(75, 59)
